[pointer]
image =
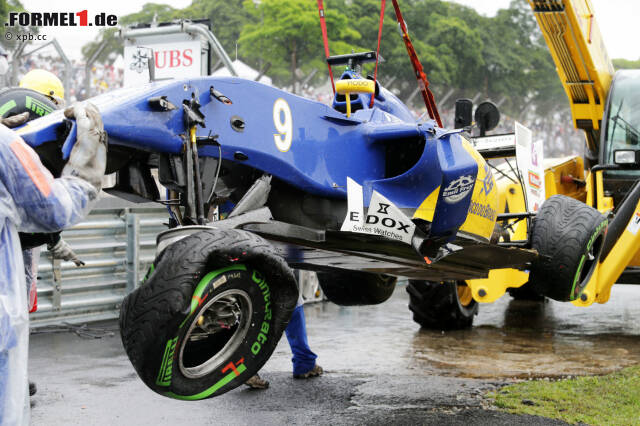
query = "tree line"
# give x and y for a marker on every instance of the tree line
(503, 57)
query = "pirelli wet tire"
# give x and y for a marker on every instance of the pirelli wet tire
(441, 306)
(349, 288)
(208, 315)
(568, 235)
(16, 100)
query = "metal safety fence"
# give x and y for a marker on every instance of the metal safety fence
(117, 246)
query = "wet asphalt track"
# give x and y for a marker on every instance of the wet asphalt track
(380, 368)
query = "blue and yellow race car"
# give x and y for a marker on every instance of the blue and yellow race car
(258, 181)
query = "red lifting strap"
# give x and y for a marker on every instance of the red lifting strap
(423, 83)
(375, 71)
(325, 39)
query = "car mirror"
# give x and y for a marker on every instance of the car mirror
(463, 117)
(487, 116)
(626, 157)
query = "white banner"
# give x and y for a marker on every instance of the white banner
(530, 159)
(172, 60)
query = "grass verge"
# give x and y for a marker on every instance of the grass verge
(613, 399)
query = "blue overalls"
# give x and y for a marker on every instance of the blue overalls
(303, 358)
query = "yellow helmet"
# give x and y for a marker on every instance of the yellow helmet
(44, 82)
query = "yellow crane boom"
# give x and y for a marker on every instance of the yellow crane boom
(582, 62)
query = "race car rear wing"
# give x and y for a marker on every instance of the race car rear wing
(496, 146)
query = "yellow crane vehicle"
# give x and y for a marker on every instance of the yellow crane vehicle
(605, 104)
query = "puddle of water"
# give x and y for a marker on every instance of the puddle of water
(509, 339)
(530, 339)
(486, 352)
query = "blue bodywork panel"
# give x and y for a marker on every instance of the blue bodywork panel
(325, 148)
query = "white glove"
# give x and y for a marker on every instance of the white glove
(62, 250)
(88, 158)
(16, 120)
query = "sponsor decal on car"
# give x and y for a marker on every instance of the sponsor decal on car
(487, 182)
(458, 189)
(482, 210)
(383, 217)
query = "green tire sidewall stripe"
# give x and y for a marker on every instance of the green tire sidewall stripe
(207, 392)
(6, 107)
(204, 282)
(592, 239)
(148, 274)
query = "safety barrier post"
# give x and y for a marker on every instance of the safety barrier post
(88, 65)
(57, 284)
(133, 253)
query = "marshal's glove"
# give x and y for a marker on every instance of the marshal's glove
(88, 158)
(62, 250)
(16, 120)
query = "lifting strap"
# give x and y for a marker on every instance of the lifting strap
(325, 40)
(375, 70)
(423, 83)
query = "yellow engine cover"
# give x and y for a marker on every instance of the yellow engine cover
(483, 209)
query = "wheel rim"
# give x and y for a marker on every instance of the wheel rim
(215, 333)
(464, 295)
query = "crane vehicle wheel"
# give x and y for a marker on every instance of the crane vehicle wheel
(441, 306)
(525, 292)
(568, 235)
(209, 314)
(348, 288)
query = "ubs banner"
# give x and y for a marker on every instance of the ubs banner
(172, 60)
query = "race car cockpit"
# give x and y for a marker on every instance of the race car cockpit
(352, 91)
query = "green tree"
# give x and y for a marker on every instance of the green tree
(7, 6)
(453, 38)
(503, 56)
(622, 64)
(227, 19)
(149, 12)
(535, 79)
(289, 36)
